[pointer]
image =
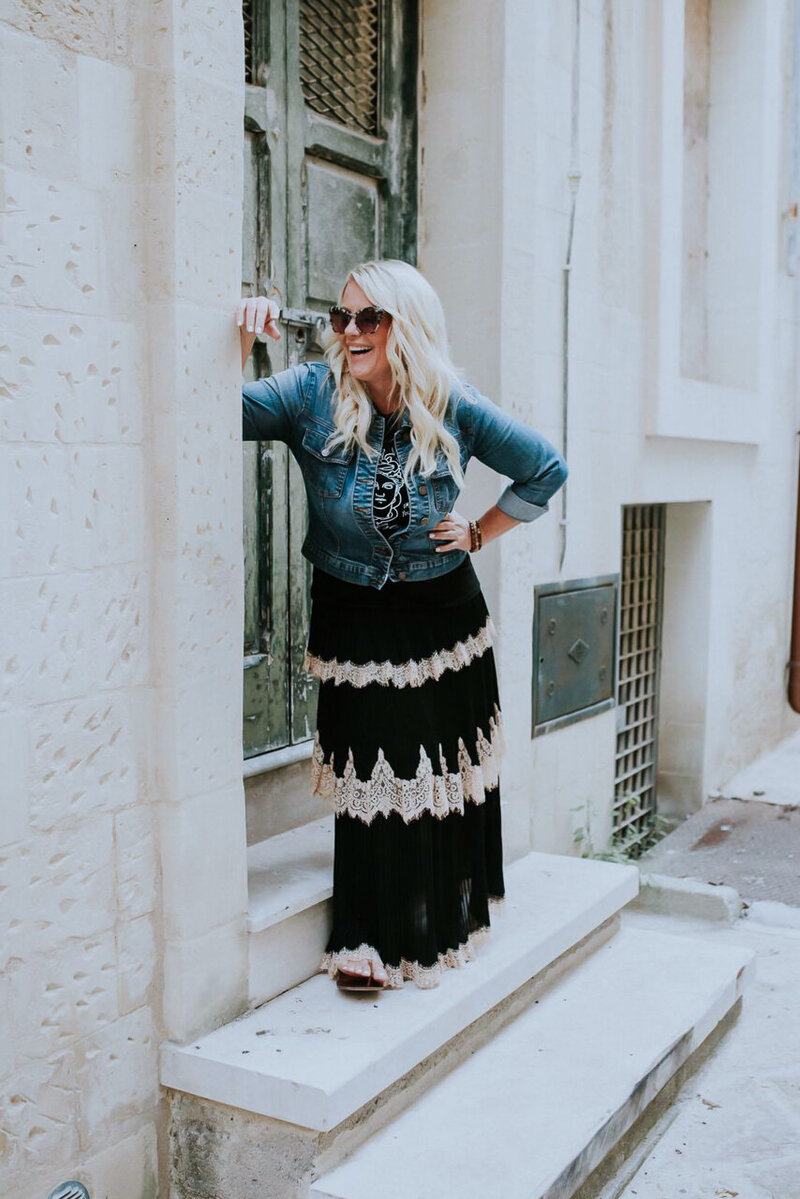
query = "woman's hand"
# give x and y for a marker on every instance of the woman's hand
(453, 531)
(255, 315)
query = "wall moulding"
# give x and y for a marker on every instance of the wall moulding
(711, 321)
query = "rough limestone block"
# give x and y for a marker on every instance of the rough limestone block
(108, 132)
(70, 378)
(67, 877)
(126, 1170)
(39, 130)
(36, 489)
(208, 752)
(116, 1073)
(70, 508)
(107, 487)
(63, 995)
(194, 835)
(208, 121)
(84, 757)
(211, 41)
(137, 957)
(14, 754)
(205, 981)
(6, 1045)
(57, 260)
(13, 887)
(135, 861)
(208, 233)
(97, 27)
(77, 639)
(224, 1151)
(38, 1119)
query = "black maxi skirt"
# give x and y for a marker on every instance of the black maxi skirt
(407, 749)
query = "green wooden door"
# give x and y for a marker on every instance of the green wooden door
(330, 180)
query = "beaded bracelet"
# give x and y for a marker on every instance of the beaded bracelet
(475, 536)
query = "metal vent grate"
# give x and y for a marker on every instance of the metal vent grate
(339, 60)
(247, 18)
(641, 591)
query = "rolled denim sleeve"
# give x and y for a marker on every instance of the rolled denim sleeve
(270, 406)
(516, 450)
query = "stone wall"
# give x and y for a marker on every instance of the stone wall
(121, 587)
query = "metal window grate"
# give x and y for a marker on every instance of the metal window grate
(247, 18)
(339, 60)
(641, 591)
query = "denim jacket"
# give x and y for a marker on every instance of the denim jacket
(296, 406)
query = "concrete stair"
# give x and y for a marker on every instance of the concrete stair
(575, 1024)
(533, 1112)
(289, 879)
(296, 1070)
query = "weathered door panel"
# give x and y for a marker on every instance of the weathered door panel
(330, 180)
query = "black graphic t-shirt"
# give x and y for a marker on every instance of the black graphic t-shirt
(390, 505)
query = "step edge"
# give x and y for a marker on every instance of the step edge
(262, 923)
(675, 1055)
(238, 1084)
(516, 974)
(679, 1051)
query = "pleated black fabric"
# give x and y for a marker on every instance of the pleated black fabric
(411, 884)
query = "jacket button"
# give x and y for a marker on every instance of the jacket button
(423, 490)
(424, 520)
(402, 575)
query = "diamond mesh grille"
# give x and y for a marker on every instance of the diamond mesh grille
(339, 60)
(247, 17)
(641, 586)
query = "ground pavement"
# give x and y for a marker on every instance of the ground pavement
(734, 1129)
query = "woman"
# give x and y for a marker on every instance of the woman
(409, 728)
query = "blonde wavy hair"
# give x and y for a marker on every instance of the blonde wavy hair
(419, 359)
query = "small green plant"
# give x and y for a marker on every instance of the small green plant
(619, 850)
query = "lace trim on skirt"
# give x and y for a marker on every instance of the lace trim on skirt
(412, 673)
(383, 792)
(423, 976)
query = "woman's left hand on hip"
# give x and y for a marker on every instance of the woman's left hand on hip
(452, 533)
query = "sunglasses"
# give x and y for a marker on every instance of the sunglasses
(367, 319)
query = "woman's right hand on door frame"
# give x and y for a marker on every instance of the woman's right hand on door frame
(255, 315)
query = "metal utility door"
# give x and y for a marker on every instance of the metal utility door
(638, 674)
(330, 180)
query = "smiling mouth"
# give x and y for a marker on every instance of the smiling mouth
(359, 351)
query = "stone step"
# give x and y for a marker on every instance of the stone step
(290, 883)
(536, 1109)
(314, 1055)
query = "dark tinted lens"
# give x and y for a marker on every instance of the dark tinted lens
(368, 320)
(340, 319)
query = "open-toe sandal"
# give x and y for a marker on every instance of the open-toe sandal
(346, 981)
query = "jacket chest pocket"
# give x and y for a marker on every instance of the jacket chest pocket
(324, 471)
(443, 487)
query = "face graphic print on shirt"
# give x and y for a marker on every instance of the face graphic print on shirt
(390, 505)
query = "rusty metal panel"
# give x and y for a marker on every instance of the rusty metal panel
(574, 633)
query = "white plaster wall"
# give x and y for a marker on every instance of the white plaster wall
(122, 877)
(522, 53)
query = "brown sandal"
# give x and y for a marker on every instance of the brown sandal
(346, 981)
